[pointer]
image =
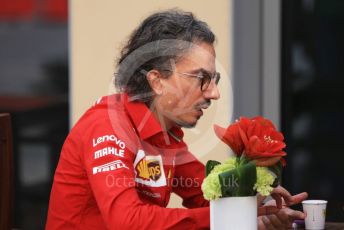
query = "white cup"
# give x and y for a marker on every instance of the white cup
(315, 211)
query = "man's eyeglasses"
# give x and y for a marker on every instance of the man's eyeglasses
(203, 76)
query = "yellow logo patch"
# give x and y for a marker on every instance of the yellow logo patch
(148, 169)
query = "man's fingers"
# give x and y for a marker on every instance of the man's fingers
(279, 194)
(278, 223)
(278, 199)
(283, 215)
(294, 215)
(283, 192)
(287, 197)
(261, 225)
(267, 210)
(267, 223)
(297, 199)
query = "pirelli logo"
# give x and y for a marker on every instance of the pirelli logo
(109, 167)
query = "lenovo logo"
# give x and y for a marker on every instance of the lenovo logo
(107, 138)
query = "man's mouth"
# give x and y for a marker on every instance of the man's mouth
(200, 112)
(202, 106)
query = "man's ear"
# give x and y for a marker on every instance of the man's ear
(154, 80)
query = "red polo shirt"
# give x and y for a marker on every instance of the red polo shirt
(117, 170)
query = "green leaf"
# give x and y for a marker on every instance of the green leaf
(243, 160)
(210, 166)
(239, 181)
(248, 178)
(229, 183)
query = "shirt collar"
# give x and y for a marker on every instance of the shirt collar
(145, 122)
(142, 117)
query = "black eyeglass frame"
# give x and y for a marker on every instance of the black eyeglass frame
(203, 76)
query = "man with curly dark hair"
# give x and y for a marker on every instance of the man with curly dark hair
(126, 154)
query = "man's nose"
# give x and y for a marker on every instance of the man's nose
(212, 92)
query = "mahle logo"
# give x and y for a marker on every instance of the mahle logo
(148, 169)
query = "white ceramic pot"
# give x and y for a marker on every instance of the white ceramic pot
(233, 213)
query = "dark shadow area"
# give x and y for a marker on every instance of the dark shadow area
(312, 104)
(34, 90)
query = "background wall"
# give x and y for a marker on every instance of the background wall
(98, 30)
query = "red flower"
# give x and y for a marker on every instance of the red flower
(256, 138)
(231, 137)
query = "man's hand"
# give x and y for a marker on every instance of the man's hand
(275, 214)
(282, 198)
(283, 219)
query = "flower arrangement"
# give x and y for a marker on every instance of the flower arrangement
(257, 162)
